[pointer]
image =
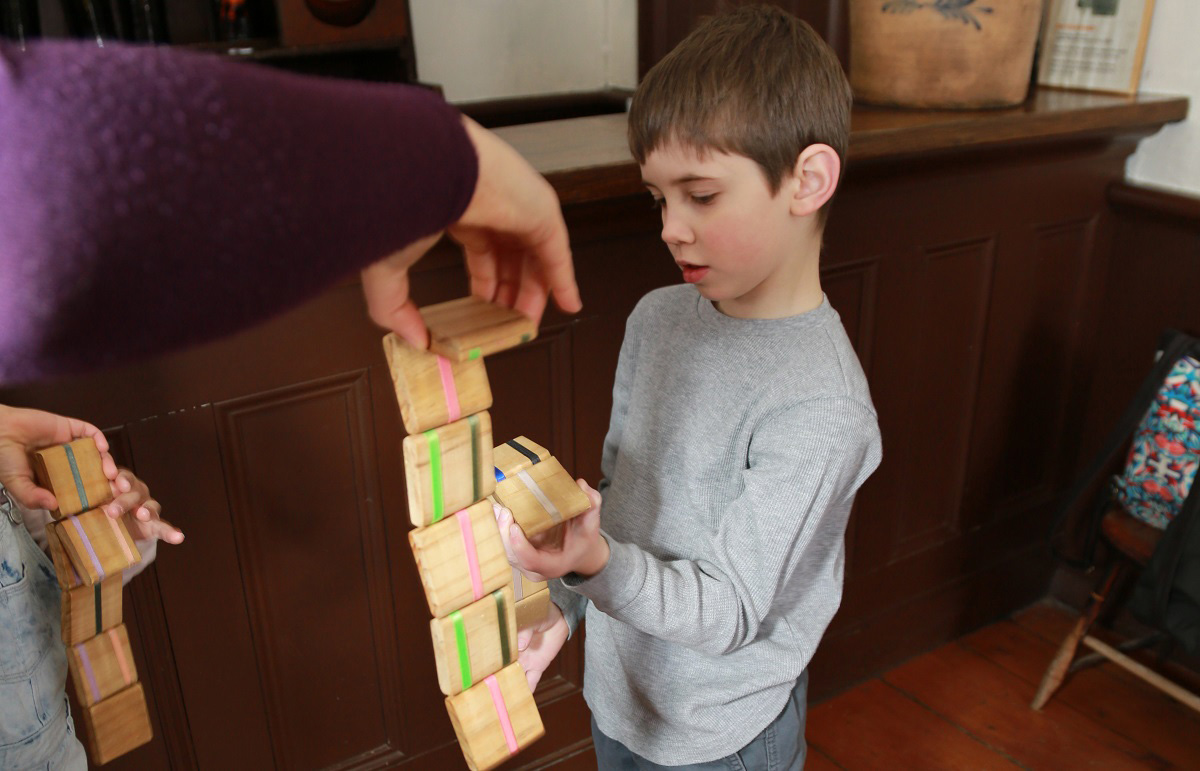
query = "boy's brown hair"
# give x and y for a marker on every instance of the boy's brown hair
(755, 81)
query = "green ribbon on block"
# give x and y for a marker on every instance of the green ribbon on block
(464, 653)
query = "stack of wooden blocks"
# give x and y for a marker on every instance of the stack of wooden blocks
(90, 551)
(453, 472)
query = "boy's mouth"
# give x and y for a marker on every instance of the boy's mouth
(692, 273)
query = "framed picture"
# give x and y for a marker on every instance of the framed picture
(1095, 45)
(325, 22)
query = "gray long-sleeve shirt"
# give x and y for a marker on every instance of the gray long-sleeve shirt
(733, 455)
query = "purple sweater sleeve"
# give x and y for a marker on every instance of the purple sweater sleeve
(152, 198)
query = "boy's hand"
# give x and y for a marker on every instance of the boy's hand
(540, 644)
(583, 550)
(23, 431)
(131, 498)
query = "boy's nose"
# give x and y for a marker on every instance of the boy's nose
(674, 230)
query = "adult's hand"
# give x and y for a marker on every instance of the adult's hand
(21, 432)
(514, 238)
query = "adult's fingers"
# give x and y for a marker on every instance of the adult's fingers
(26, 492)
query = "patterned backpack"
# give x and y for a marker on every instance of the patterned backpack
(1165, 453)
(1164, 422)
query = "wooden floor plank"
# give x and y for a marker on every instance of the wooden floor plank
(1125, 705)
(816, 760)
(992, 704)
(874, 726)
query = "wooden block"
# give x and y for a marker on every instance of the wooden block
(433, 390)
(477, 641)
(117, 725)
(102, 666)
(532, 609)
(460, 559)
(495, 719)
(68, 576)
(517, 455)
(523, 587)
(88, 611)
(468, 328)
(98, 545)
(448, 468)
(542, 497)
(74, 474)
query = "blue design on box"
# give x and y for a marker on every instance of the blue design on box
(952, 10)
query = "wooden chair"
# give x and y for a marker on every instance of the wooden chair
(1133, 541)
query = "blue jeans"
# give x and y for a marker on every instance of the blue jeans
(36, 731)
(780, 746)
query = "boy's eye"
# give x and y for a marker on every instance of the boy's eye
(657, 203)
(704, 200)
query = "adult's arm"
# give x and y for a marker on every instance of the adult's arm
(152, 198)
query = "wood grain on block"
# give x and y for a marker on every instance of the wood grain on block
(433, 390)
(542, 497)
(495, 719)
(468, 328)
(532, 609)
(98, 545)
(117, 725)
(102, 665)
(523, 587)
(73, 472)
(517, 455)
(448, 468)
(64, 571)
(477, 641)
(87, 611)
(460, 559)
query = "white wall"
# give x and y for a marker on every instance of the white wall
(1171, 158)
(494, 49)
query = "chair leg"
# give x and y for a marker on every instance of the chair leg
(1057, 671)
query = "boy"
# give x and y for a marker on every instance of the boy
(742, 424)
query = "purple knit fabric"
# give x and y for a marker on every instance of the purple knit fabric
(152, 198)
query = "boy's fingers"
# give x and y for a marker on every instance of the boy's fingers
(593, 496)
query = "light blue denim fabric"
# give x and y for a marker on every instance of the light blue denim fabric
(780, 746)
(36, 731)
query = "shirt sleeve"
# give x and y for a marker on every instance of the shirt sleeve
(782, 537)
(153, 198)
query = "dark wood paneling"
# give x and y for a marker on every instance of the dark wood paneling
(317, 587)
(663, 23)
(1152, 271)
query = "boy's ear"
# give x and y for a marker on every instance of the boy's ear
(818, 169)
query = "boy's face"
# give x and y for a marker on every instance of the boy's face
(733, 239)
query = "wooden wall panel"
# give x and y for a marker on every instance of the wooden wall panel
(302, 484)
(927, 369)
(663, 23)
(203, 595)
